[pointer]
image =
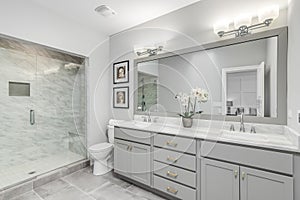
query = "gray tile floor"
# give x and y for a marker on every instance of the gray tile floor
(83, 185)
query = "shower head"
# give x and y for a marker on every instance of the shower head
(71, 66)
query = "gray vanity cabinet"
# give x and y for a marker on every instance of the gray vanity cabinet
(140, 163)
(122, 157)
(224, 181)
(219, 180)
(132, 160)
(257, 184)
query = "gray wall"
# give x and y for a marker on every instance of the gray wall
(293, 64)
(99, 104)
(176, 30)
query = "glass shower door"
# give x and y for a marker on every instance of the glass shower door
(60, 116)
(17, 115)
(42, 111)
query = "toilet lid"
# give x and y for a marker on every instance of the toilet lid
(101, 146)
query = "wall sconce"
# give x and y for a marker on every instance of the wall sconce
(150, 51)
(243, 23)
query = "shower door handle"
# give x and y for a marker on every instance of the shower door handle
(32, 117)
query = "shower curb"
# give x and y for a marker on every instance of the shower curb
(28, 185)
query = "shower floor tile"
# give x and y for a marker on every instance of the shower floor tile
(27, 171)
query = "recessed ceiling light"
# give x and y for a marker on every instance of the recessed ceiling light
(105, 11)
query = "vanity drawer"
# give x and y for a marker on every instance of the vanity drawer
(174, 189)
(175, 158)
(175, 143)
(175, 174)
(133, 135)
(263, 159)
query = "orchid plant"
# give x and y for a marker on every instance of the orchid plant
(189, 101)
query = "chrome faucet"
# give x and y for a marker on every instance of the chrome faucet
(147, 118)
(232, 128)
(242, 127)
(253, 130)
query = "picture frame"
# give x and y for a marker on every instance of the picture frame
(121, 97)
(121, 72)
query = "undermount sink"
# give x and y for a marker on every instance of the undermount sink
(142, 124)
(244, 136)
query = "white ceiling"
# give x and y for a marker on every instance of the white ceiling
(129, 12)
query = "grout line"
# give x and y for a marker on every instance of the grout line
(79, 189)
(38, 195)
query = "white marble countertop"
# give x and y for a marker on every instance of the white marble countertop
(276, 138)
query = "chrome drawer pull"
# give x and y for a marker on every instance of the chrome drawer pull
(172, 174)
(172, 190)
(172, 159)
(169, 143)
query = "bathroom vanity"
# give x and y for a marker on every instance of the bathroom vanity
(213, 161)
(199, 163)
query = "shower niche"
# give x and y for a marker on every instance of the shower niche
(18, 89)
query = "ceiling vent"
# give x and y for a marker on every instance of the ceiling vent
(105, 11)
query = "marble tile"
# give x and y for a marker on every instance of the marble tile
(76, 167)
(69, 193)
(51, 188)
(111, 191)
(85, 180)
(117, 181)
(56, 174)
(57, 94)
(16, 191)
(143, 194)
(28, 196)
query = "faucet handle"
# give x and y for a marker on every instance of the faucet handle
(253, 130)
(144, 118)
(232, 127)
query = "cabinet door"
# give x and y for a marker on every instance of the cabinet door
(257, 184)
(140, 163)
(219, 180)
(122, 158)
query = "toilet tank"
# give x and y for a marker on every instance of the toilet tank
(111, 133)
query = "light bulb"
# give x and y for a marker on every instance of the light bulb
(221, 26)
(243, 20)
(271, 12)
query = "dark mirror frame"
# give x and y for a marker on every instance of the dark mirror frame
(282, 41)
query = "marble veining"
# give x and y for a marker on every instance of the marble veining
(57, 96)
(267, 136)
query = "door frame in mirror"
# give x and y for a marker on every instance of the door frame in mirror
(282, 48)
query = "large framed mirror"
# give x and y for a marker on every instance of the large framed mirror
(241, 75)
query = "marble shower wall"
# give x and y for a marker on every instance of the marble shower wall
(57, 95)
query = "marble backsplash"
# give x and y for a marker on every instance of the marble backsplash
(57, 95)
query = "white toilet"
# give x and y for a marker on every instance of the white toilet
(102, 154)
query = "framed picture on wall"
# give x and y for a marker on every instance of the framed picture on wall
(121, 72)
(121, 97)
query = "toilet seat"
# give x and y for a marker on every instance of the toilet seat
(101, 147)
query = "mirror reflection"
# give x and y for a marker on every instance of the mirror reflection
(240, 78)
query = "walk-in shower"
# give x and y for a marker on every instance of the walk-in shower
(42, 110)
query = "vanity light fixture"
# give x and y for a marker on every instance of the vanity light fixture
(149, 51)
(243, 23)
